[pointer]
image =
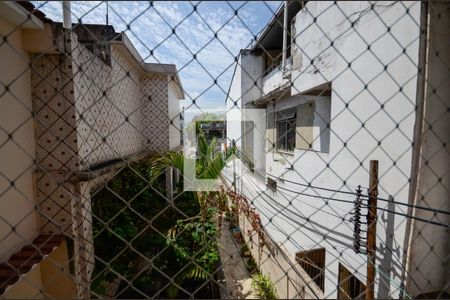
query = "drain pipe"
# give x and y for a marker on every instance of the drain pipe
(67, 14)
(285, 31)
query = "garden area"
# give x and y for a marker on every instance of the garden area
(132, 237)
(149, 245)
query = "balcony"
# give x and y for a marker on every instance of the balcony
(275, 80)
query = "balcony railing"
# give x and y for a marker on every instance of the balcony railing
(275, 77)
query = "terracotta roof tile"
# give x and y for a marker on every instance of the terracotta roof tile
(33, 10)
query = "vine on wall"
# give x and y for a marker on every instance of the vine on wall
(240, 204)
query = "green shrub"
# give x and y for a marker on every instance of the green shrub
(251, 265)
(244, 250)
(263, 286)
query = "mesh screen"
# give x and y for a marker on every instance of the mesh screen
(290, 149)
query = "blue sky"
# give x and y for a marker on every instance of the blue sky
(195, 23)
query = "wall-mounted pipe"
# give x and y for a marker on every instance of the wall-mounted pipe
(285, 32)
(67, 15)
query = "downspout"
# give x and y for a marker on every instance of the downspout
(67, 15)
(107, 13)
(285, 31)
(418, 139)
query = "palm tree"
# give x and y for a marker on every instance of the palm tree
(209, 164)
(195, 237)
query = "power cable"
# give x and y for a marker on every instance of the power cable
(366, 205)
(435, 210)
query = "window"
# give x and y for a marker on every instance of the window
(313, 262)
(271, 184)
(349, 287)
(286, 123)
(313, 124)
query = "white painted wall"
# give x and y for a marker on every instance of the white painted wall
(344, 171)
(363, 93)
(174, 114)
(244, 91)
(252, 70)
(273, 80)
(289, 281)
(358, 91)
(234, 103)
(18, 151)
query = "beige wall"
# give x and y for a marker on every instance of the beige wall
(49, 279)
(55, 273)
(16, 154)
(29, 286)
(174, 115)
(430, 246)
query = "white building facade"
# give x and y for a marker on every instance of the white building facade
(356, 81)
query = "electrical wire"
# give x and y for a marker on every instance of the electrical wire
(367, 205)
(339, 217)
(282, 209)
(280, 212)
(435, 210)
(312, 186)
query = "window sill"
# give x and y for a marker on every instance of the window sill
(291, 153)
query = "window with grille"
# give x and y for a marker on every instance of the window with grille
(349, 287)
(313, 262)
(271, 184)
(286, 123)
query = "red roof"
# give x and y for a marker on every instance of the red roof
(34, 11)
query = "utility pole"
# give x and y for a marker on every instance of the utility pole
(372, 229)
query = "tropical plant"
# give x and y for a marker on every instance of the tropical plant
(209, 164)
(121, 211)
(263, 286)
(195, 238)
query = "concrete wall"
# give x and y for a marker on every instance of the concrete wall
(234, 103)
(371, 118)
(88, 112)
(273, 259)
(289, 279)
(244, 89)
(351, 145)
(17, 151)
(430, 266)
(252, 70)
(29, 286)
(275, 79)
(56, 277)
(120, 109)
(49, 278)
(108, 106)
(174, 115)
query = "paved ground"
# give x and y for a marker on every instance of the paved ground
(237, 278)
